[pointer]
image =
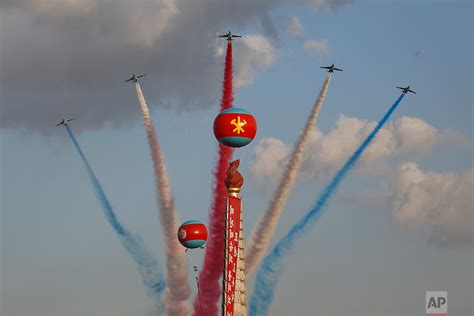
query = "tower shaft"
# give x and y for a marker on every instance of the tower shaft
(240, 305)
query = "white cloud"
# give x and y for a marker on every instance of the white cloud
(316, 48)
(327, 152)
(295, 28)
(59, 7)
(140, 20)
(439, 204)
(256, 52)
(327, 5)
(269, 156)
(407, 135)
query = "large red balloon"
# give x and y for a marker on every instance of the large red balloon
(235, 127)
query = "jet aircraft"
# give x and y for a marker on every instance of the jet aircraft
(331, 68)
(65, 122)
(135, 77)
(406, 89)
(229, 36)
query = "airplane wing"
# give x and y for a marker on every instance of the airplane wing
(338, 69)
(59, 124)
(222, 36)
(325, 67)
(129, 80)
(141, 76)
(412, 91)
(236, 36)
(71, 119)
(401, 88)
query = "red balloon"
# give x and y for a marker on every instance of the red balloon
(235, 127)
(192, 234)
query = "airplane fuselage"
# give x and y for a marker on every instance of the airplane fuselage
(406, 89)
(134, 78)
(64, 122)
(331, 68)
(229, 36)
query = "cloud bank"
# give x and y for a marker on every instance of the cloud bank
(439, 204)
(69, 58)
(328, 151)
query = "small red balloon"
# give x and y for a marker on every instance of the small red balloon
(192, 234)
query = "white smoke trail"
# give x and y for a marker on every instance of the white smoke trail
(178, 290)
(263, 232)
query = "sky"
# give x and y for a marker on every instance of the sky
(401, 223)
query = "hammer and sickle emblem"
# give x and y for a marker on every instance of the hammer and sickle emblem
(238, 125)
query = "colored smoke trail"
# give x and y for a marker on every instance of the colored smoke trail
(265, 228)
(177, 274)
(133, 243)
(270, 270)
(214, 255)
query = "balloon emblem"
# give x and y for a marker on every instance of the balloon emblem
(235, 127)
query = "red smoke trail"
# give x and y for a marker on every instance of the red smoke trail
(214, 257)
(227, 93)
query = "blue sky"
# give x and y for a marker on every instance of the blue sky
(60, 256)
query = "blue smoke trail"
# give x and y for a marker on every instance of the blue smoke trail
(270, 270)
(133, 243)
